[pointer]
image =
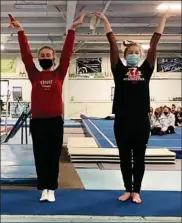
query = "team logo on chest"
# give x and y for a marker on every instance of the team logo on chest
(133, 75)
(46, 84)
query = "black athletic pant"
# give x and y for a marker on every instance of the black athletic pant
(156, 131)
(47, 136)
(170, 130)
(132, 136)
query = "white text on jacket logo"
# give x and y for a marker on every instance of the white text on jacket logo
(46, 84)
(133, 75)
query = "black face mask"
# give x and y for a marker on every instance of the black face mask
(165, 113)
(46, 63)
(156, 114)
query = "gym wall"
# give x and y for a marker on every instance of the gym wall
(93, 96)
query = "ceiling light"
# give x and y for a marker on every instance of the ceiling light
(169, 6)
(145, 46)
(2, 47)
(30, 6)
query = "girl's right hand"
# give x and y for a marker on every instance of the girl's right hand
(15, 24)
(101, 16)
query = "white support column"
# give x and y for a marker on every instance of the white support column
(71, 9)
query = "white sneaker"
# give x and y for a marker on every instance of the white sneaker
(51, 196)
(44, 196)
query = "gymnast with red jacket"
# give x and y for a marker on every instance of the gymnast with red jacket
(46, 106)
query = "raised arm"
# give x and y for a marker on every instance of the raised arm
(66, 54)
(67, 50)
(114, 51)
(151, 55)
(26, 54)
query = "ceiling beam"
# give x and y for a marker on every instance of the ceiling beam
(61, 24)
(100, 30)
(4, 40)
(8, 3)
(174, 21)
(71, 9)
(29, 14)
(52, 2)
(94, 52)
(170, 38)
(89, 47)
(116, 11)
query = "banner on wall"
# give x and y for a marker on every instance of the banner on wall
(89, 68)
(172, 64)
(8, 65)
(12, 68)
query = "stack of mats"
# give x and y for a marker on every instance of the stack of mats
(101, 148)
(86, 150)
(17, 165)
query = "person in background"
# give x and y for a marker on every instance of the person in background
(156, 122)
(168, 121)
(179, 109)
(161, 109)
(178, 121)
(46, 106)
(173, 109)
(151, 112)
(132, 90)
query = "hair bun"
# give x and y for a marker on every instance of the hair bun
(127, 43)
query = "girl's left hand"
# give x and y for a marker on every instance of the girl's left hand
(168, 14)
(78, 21)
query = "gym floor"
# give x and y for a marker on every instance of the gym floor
(18, 168)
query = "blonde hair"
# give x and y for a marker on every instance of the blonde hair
(47, 47)
(53, 51)
(127, 44)
(158, 110)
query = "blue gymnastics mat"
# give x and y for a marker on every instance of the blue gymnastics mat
(91, 203)
(102, 131)
(17, 165)
(67, 123)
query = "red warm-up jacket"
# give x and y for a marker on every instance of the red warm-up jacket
(46, 95)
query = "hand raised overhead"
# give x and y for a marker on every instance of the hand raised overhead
(14, 23)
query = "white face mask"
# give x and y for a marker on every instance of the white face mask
(133, 59)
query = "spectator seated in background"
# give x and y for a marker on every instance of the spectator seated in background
(168, 121)
(173, 109)
(178, 121)
(161, 109)
(156, 122)
(179, 109)
(151, 112)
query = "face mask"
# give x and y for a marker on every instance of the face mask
(156, 114)
(165, 113)
(133, 59)
(46, 63)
